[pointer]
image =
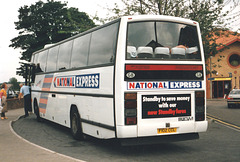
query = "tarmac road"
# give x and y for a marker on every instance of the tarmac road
(219, 143)
(218, 108)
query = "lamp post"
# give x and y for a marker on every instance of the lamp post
(230, 76)
(235, 82)
(211, 77)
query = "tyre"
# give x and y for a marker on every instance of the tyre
(230, 105)
(76, 126)
(36, 111)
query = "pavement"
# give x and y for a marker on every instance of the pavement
(14, 148)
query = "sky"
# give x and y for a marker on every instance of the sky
(9, 57)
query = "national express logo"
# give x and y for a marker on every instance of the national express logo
(77, 81)
(164, 85)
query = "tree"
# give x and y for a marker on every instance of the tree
(15, 84)
(208, 13)
(47, 23)
(157, 7)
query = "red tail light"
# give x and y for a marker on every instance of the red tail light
(131, 120)
(199, 105)
(130, 108)
(130, 104)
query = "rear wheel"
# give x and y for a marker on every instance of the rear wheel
(76, 127)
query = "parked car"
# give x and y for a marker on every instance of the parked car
(11, 93)
(234, 98)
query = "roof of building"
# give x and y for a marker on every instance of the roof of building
(227, 38)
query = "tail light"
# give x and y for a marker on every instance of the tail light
(199, 106)
(130, 108)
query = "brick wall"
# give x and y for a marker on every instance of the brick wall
(220, 63)
(15, 103)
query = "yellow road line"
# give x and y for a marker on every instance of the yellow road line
(223, 122)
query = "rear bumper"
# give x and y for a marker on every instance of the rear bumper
(233, 101)
(158, 139)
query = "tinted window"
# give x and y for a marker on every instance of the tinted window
(162, 40)
(36, 58)
(52, 59)
(140, 34)
(80, 51)
(64, 55)
(32, 58)
(235, 92)
(42, 59)
(103, 45)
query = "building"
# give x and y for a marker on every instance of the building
(225, 67)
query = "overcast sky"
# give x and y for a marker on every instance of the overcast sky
(9, 57)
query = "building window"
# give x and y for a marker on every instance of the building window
(234, 60)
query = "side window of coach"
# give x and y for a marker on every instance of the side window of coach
(80, 51)
(103, 45)
(52, 59)
(64, 55)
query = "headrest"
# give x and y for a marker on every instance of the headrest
(191, 50)
(131, 51)
(178, 51)
(162, 51)
(146, 50)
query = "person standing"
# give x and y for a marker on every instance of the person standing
(3, 95)
(25, 91)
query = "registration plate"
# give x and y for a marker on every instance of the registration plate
(166, 130)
